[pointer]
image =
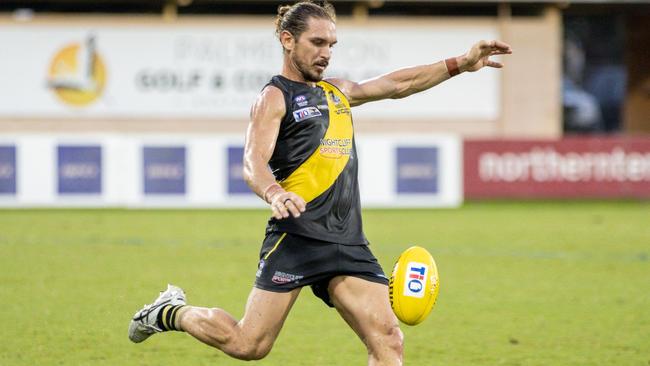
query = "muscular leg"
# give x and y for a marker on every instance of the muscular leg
(365, 307)
(252, 337)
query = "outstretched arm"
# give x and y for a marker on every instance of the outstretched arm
(404, 82)
(266, 116)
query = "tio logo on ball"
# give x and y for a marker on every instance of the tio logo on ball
(415, 280)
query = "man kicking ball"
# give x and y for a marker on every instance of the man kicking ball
(301, 127)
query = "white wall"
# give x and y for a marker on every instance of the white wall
(206, 171)
(170, 72)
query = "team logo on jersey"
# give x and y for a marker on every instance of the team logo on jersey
(340, 106)
(301, 100)
(306, 113)
(260, 267)
(415, 279)
(335, 98)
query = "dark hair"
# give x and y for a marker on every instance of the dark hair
(294, 18)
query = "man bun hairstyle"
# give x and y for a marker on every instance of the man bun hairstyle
(294, 18)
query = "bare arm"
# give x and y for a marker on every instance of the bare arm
(404, 82)
(266, 116)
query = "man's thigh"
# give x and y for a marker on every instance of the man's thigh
(364, 305)
(265, 314)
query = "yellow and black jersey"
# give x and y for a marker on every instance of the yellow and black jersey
(315, 157)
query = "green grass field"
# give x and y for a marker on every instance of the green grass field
(521, 284)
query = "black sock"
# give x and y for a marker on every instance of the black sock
(167, 317)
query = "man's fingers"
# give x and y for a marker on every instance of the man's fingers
(287, 204)
(295, 212)
(491, 63)
(495, 45)
(281, 208)
(502, 46)
(298, 201)
(276, 213)
(499, 52)
(279, 211)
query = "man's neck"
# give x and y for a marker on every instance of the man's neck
(290, 72)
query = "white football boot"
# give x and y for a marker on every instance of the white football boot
(144, 322)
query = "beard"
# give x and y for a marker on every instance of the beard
(308, 72)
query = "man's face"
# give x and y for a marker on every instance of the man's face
(312, 50)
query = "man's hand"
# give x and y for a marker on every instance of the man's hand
(479, 55)
(284, 203)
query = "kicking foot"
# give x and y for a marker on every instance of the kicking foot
(146, 321)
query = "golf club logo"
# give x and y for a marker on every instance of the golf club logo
(77, 74)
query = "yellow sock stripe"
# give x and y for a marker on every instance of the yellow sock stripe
(177, 317)
(172, 318)
(319, 172)
(164, 318)
(275, 246)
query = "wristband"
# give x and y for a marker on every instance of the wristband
(452, 66)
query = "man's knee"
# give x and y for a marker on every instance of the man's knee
(396, 339)
(390, 340)
(251, 351)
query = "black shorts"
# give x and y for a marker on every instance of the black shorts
(289, 261)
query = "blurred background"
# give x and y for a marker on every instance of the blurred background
(144, 103)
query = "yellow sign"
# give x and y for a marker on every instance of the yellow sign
(77, 74)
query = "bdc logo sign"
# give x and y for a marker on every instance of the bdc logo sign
(415, 279)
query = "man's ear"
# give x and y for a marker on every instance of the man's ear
(287, 40)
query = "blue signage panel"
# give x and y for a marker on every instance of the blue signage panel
(417, 170)
(7, 170)
(79, 169)
(236, 182)
(164, 170)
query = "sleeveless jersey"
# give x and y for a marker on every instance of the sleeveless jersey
(315, 157)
